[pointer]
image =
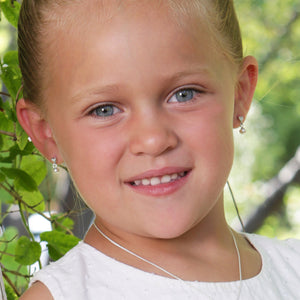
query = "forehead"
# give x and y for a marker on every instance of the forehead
(78, 16)
(115, 35)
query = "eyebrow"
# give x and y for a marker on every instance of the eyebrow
(107, 89)
(192, 72)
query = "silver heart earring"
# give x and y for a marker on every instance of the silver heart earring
(54, 165)
(242, 127)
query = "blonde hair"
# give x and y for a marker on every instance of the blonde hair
(36, 15)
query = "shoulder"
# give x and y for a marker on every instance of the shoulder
(82, 273)
(36, 292)
(49, 280)
(274, 245)
(75, 257)
(278, 254)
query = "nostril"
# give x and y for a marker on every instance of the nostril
(153, 141)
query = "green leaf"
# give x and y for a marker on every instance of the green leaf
(2, 177)
(5, 123)
(11, 74)
(34, 200)
(29, 149)
(11, 11)
(59, 243)
(22, 180)
(27, 252)
(22, 137)
(1, 142)
(8, 110)
(10, 293)
(8, 261)
(35, 166)
(15, 150)
(5, 197)
(65, 221)
(7, 143)
(6, 107)
(11, 58)
(54, 253)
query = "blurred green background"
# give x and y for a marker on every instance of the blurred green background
(271, 32)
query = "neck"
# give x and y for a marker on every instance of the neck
(168, 263)
(195, 254)
(211, 232)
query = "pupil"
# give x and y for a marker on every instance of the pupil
(185, 95)
(105, 111)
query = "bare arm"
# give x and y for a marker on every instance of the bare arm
(37, 291)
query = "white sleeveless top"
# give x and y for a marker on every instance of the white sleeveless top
(84, 273)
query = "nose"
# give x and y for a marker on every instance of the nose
(152, 135)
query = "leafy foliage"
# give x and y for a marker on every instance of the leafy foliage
(27, 252)
(22, 171)
(11, 11)
(58, 243)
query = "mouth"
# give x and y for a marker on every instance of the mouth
(160, 183)
(158, 180)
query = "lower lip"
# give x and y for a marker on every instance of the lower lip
(162, 189)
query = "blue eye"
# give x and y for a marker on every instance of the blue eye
(183, 95)
(104, 111)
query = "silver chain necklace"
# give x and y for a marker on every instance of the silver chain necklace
(169, 273)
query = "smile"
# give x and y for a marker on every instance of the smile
(158, 179)
(160, 183)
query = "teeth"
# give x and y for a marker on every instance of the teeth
(165, 179)
(155, 181)
(174, 176)
(145, 182)
(158, 180)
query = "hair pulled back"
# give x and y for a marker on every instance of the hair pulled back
(36, 17)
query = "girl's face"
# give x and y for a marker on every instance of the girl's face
(142, 113)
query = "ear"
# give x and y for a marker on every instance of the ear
(245, 88)
(32, 119)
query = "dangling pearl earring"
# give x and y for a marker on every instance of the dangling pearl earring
(54, 165)
(242, 128)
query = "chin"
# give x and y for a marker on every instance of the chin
(170, 230)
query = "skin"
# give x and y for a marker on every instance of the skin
(124, 63)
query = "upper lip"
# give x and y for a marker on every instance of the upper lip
(158, 173)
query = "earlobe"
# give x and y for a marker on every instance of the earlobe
(245, 89)
(32, 119)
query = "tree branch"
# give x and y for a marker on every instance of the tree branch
(11, 284)
(8, 134)
(18, 198)
(275, 190)
(4, 94)
(285, 33)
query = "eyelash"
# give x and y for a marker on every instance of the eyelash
(107, 106)
(115, 110)
(194, 92)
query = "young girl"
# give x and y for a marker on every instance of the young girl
(138, 99)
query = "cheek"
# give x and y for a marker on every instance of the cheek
(213, 121)
(93, 162)
(89, 153)
(209, 134)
